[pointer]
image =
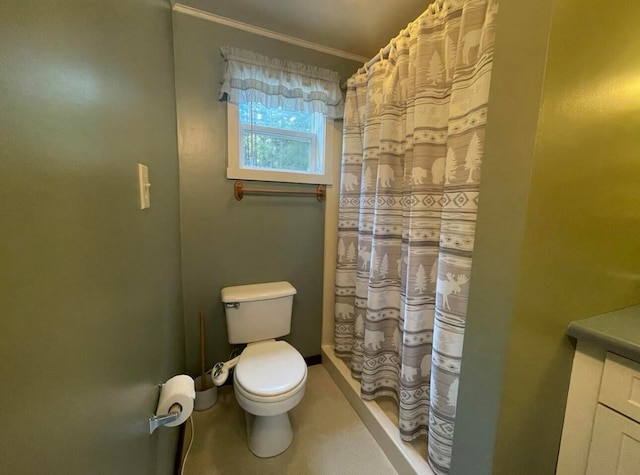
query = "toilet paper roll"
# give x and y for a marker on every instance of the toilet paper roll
(178, 390)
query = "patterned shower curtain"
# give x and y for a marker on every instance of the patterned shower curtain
(413, 141)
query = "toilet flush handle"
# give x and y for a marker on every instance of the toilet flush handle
(232, 304)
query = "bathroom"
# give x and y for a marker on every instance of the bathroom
(100, 300)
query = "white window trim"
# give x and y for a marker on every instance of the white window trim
(235, 172)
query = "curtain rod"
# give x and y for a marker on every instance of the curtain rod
(433, 8)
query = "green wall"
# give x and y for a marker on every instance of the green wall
(574, 250)
(514, 101)
(226, 242)
(90, 300)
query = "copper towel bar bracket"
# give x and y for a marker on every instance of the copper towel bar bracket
(239, 191)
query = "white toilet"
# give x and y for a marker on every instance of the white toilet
(270, 375)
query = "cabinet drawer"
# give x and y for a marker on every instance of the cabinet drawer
(620, 388)
(615, 446)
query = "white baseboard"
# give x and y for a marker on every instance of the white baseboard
(404, 458)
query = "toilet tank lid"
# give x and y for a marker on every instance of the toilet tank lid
(247, 293)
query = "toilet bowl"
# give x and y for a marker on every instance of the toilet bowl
(270, 375)
(269, 380)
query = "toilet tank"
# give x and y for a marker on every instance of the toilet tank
(258, 311)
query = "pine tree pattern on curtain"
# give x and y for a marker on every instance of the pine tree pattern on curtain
(413, 139)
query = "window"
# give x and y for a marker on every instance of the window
(280, 118)
(275, 139)
(273, 144)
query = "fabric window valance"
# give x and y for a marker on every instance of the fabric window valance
(281, 83)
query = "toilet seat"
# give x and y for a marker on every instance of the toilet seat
(269, 369)
(296, 393)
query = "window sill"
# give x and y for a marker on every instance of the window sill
(278, 176)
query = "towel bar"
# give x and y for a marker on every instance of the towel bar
(239, 190)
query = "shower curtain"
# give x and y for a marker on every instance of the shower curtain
(413, 141)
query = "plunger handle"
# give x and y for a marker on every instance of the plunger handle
(203, 380)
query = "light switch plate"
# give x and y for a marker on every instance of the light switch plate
(143, 180)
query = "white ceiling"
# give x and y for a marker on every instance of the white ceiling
(358, 26)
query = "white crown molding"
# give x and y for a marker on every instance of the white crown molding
(179, 7)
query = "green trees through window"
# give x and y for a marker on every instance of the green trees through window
(277, 139)
(253, 112)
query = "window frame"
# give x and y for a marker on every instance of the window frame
(236, 171)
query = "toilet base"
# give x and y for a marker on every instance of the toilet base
(268, 436)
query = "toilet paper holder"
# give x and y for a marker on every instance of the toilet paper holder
(164, 419)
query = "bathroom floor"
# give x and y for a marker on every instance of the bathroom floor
(329, 437)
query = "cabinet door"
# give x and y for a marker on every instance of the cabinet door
(620, 388)
(615, 446)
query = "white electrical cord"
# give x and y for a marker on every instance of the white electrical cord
(184, 461)
(229, 364)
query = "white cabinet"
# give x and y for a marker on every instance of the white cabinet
(615, 446)
(601, 433)
(620, 387)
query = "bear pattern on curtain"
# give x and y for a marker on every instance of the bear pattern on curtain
(413, 141)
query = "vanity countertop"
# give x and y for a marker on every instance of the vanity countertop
(618, 331)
